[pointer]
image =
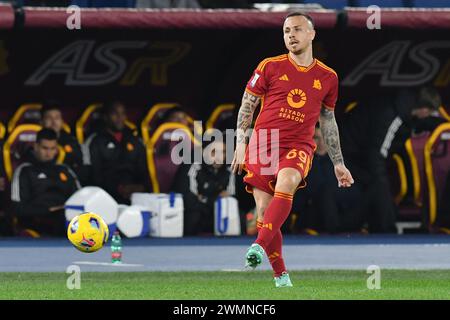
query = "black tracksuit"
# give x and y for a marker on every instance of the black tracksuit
(200, 185)
(73, 155)
(114, 163)
(370, 133)
(38, 186)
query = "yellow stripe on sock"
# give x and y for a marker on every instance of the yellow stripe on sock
(283, 196)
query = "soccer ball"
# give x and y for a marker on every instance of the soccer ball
(88, 232)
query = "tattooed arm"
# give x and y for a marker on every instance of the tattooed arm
(244, 121)
(330, 133)
(245, 116)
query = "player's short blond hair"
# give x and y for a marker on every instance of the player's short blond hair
(301, 14)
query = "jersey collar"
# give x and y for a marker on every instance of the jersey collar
(301, 68)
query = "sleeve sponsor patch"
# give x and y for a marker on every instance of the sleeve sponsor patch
(255, 78)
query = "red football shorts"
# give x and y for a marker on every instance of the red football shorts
(262, 173)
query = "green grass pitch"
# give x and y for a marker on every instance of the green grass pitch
(339, 284)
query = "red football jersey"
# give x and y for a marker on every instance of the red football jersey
(291, 99)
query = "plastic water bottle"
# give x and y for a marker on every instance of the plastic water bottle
(116, 248)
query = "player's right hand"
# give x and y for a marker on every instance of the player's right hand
(343, 175)
(238, 160)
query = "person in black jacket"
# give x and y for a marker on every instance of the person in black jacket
(371, 132)
(52, 118)
(116, 157)
(201, 184)
(41, 187)
(323, 206)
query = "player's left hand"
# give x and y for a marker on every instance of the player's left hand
(343, 176)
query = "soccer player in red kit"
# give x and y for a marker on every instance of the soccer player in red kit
(295, 91)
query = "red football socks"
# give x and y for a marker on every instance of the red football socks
(269, 233)
(274, 217)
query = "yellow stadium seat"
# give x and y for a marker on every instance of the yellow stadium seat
(221, 111)
(20, 117)
(402, 178)
(26, 113)
(161, 169)
(81, 124)
(2, 131)
(444, 113)
(18, 142)
(437, 166)
(153, 115)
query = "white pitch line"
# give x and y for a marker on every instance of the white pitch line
(108, 264)
(233, 270)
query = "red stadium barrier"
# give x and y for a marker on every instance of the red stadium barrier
(402, 18)
(168, 19)
(42, 17)
(6, 16)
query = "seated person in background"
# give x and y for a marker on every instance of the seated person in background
(424, 117)
(201, 184)
(178, 115)
(175, 114)
(371, 132)
(41, 187)
(116, 157)
(322, 206)
(52, 118)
